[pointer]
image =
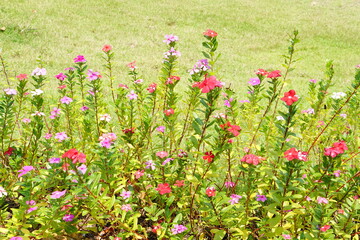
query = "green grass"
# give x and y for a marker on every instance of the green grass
(252, 35)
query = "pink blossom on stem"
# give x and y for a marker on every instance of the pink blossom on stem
(25, 170)
(57, 194)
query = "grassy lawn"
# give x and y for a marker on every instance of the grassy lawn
(252, 34)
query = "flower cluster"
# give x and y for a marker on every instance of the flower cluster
(293, 153)
(233, 129)
(252, 159)
(107, 139)
(201, 65)
(208, 84)
(336, 149)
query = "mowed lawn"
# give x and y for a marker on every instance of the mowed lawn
(252, 34)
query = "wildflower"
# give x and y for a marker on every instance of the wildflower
(125, 194)
(293, 153)
(129, 131)
(254, 81)
(107, 139)
(151, 88)
(209, 156)
(39, 72)
(343, 115)
(167, 161)
(105, 117)
(234, 129)
(208, 84)
(61, 136)
(286, 236)
(57, 194)
(313, 80)
(244, 101)
(66, 207)
(201, 65)
(132, 65)
(280, 118)
(170, 38)
(274, 74)
(21, 76)
(61, 76)
(234, 199)
(338, 95)
(308, 111)
(210, 33)
(322, 200)
(160, 129)
(26, 120)
(16, 238)
(252, 159)
(172, 52)
(93, 75)
(155, 228)
(163, 188)
(308, 198)
(31, 203)
(169, 112)
(261, 198)
(182, 153)
(150, 164)
(84, 108)
(139, 81)
(229, 184)
(79, 59)
(54, 160)
(162, 154)
(25, 170)
(37, 113)
(82, 168)
(9, 91)
(75, 156)
(172, 80)
(37, 92)
(9, 151)
(132, 95)
(325, 228)
(178, 229)
(340, 211)
(210, 191)
(290, 97)
(179, 183)
(126, 207)
(68, 217)
(31, 209)
(106, 48)
(261, 72)
(66, 100)
(336, 149)
(2, 192)
(139, 173)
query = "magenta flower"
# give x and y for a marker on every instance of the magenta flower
(54, 160)
(229, 184)
(61, 76)
(9, 91)
(93, 75)
(48, 136)
(261, 198)
(234, 199)
(84, 108)
(31, 209)
(254, 81)
(26, 120)
(160, 129)
(313, 80)
(68, 217)
(16, 238)
(66, 100)
(25, 170)
(167, 161)
(132, 95)
(31, 203)
(126, 207)
(162, 154)
(170, 38)
(79, 59)
(57, 194)
(178, 229)
(125, 194)
(82, 168)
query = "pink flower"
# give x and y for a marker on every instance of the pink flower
(107, 48)
(229, 184)
(261, 198)
(31, 209)
(167, 161)
(286, 236)
(16, 238)
(162, 154)
(48, 136)
(39, 72)
(93, 75)
(151, 88)
(138, 81)
(313, 80)
(57, 194)
(179, 183)
(178, 229)
(169, 112)
(9, 91)
(66, 100)
(25, 170)
(82, 168)
(234, 199)
(150, 164)
(54, 160)
(84, 108)
(126, 207)
(26, 120)
(75, 156)
(293, 153)
(105, 117)
(325, 228)
(322, 200)
(107, 139)
(68, 217)
(139, 173)
(163, 188)
(61, 136)
(274, 74)
(160, 129)
(132, 95)
(337, 173)
(31, 203)
(208, 84)
(252, 159)
(79, 59)
(170, 38)
(210, 191)
(290, 97)
(201, 65)
(61, 76)
(132, 65)
(254, 81)
(210, 33)
(21, 76)
(125, 194)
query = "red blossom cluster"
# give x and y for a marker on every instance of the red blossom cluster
(163, 188)
(336, 149)
(272, 74)
(151, 88)
(210, 192)
(290, 97)
(209, 156)
(234, 129)
(252, 159)
(210, 33)
(107, 48)
(75, 156)
(208, 84)
(293, 153)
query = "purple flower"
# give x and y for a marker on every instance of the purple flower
(9, 91)
(261, 198)
(178, 229)
(66, 100)
(93, 75)
(61, 136)
(227, 103)
(125, 194)
(132, 95)
(254, 81)
(68, 217)
(82, 168)
(79, 59)
(170, 38)
(61, 76)
(25, 170)
(57, 194)
(234, 199)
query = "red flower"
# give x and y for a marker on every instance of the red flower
(209, 156)
(293, 153)
(336, 149)
(210, 191)
(61, 86)
(274, 74)
(131, 65)
(9, 151)
(234, 129)
(152, 88)
(179, 183)
(163, 188)
(129, 131)
(107, 48)
(261, 72)
(290, 97)
(172, 79)
(75, 156)
(208, 84)
(210, 33)
(252, 159)
(21, 76)
(325, 228)
(169, 112)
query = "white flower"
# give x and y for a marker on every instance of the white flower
(338, 95)
(37, 113)
(105, 117)
(37, 92)
(2, 192)
(280, 118)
